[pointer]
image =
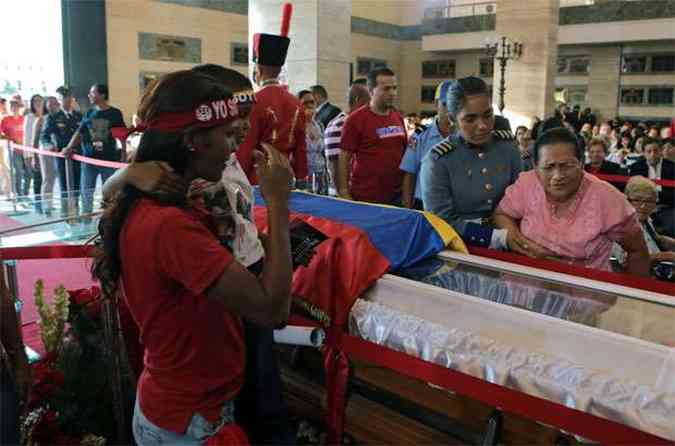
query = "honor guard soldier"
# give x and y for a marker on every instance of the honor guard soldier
(464, 177)
(423, 139)
(277, 117)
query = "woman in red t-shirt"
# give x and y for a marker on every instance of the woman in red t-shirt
(184, 289)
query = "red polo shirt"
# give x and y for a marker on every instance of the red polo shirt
(377, 144)
(194, 349)
(12, 127)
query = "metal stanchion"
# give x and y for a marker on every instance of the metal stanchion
(72, 204)
(12, 281)
(12, 175)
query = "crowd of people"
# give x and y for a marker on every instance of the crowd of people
(56, 124)
(206, 288)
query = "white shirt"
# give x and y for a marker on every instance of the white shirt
(235, 206)
(655, 173)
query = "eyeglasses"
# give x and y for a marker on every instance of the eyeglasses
(638, 202)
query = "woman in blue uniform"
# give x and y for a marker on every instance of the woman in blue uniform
(464, 176)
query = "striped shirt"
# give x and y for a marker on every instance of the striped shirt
(333, 134)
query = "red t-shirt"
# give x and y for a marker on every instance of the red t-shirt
(12, 127)
(377, 144)
(194, 349)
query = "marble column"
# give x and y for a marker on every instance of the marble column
(603, 81)
(530, 80)
(320, 49)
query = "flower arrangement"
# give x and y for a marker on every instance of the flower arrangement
(71, 400)
(52, 318)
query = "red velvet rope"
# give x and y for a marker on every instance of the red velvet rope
(628, 280)
(625, 179)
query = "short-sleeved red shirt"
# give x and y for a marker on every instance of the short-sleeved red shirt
(12, 127)
(194, 348)
(377, 144)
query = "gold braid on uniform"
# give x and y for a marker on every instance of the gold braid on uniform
(419, 128)
(504, 135)
(442, 148)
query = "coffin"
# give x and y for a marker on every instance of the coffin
(603, 349)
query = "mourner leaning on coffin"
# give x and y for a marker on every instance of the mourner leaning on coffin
(568, 214)
(465, 175)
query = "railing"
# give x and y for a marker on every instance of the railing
(461, 10)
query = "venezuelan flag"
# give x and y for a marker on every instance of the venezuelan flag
(365, 241)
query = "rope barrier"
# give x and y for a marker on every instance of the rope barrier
(625, 179)
(76, 157)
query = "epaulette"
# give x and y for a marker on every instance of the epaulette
(504, 135)
(419, 128)
(442, 148)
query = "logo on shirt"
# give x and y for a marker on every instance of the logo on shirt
(392, 131)
(203, 113)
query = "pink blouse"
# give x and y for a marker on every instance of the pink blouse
(598, 216)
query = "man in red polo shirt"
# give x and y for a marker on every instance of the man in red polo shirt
(373, 142)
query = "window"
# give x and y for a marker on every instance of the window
(438, 69)
(238, 54)
(661, 96)
(562, 65)
(634, 64)
(574, 65)
(171, 49)
(632, 96)
(365, 65)
(428, 93)
(579, 66)
(571, 96)
(486, 67)
(663, 63)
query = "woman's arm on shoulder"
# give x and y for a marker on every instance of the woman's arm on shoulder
(153, 177)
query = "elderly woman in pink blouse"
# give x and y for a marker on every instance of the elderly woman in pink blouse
(559, 211)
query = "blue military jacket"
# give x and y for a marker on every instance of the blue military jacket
(463, 184)
(421, 142)
(61, 126)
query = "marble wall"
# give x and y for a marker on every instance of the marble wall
(211, 27)
(133, 26)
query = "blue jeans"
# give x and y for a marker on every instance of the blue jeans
(9, 409)
(198, 431)
(90, 174)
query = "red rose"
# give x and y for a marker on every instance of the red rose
(89, 298)
(85, 295)
(46, 381)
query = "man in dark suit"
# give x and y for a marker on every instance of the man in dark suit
(598, 165)
(325, 111)
(655, 167)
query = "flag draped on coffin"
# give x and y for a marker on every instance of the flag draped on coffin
(364, 242)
